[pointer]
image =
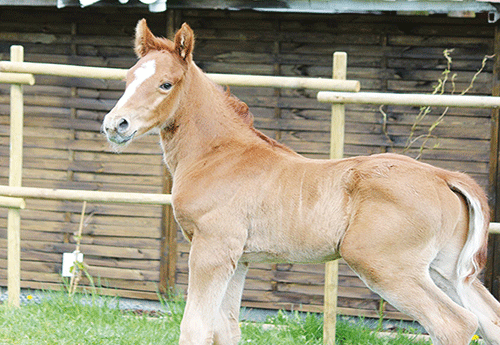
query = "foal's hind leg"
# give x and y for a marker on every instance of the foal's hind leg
(487, 309)
(415, 294)
(394, 263)
(474, 296)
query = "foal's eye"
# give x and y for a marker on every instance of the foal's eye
(166, 86)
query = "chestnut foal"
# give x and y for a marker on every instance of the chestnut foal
(414, 233)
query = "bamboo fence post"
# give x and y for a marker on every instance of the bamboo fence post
(15, 178)
(336, 152)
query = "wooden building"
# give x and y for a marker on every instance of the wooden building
(127, 247)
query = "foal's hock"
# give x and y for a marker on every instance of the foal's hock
(414, 233)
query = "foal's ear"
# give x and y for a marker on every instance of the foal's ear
(145, 41)
(184, 42)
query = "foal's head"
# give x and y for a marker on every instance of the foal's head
(154, 85)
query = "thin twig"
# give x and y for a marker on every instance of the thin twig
(384, 125)
(483, 65)
(80, 227)
(77, 274)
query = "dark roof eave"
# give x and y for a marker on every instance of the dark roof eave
(311, 6)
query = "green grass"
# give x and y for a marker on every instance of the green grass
(62, 320)
(298, 329)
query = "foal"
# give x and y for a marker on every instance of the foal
(414, 233)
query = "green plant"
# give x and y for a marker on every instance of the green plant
(439, 89)
(381, 309)
(79, 267)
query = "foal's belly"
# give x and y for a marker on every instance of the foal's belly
(268, 257)
(293, 245)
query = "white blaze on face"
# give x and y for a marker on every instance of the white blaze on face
(141, 75)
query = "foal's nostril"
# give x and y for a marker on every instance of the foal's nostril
(122, 125)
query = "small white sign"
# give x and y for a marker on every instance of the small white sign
(69, 260)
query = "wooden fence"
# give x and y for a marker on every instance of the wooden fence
(21, 73)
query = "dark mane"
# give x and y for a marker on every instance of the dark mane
(242, 109)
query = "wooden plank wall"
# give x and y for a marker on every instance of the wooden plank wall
(64, 149)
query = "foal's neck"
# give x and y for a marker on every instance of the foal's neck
(202, 123)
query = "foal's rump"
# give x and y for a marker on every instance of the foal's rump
(417, 235)
(416, 204)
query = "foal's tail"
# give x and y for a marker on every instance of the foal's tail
(472, 258)
(471, 293)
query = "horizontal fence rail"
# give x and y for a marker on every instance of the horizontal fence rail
(13, 197)
(85, 195)
(9, 202)
(285, 82)
(494, 228)
(63, 70)
(17, 78)
(409, 99)
(224, 79)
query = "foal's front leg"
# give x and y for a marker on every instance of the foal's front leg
(230, 309)
(212, 263)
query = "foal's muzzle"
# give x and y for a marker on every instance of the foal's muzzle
(118, 132)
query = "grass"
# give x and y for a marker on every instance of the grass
(79, 320)
(295, 329)
(61, 320)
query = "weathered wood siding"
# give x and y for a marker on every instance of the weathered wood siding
(64, 149)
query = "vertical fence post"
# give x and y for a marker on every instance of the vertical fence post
(168, 244)
(15, 178)
(336, 152)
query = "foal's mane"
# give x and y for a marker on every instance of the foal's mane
(243, 111)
